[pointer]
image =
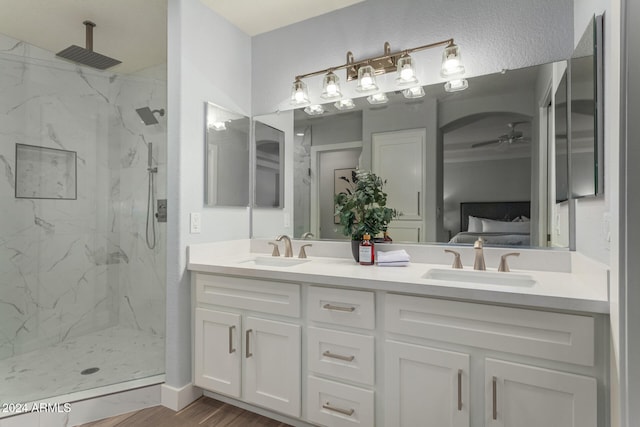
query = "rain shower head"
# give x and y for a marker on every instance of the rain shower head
(148, 116)
(88, 56)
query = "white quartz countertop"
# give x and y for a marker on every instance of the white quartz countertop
(583, 290)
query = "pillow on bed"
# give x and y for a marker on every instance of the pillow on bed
(492, 226)
(475, 224)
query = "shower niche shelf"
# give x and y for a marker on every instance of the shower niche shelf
(45, 173)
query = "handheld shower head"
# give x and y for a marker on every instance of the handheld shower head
(148, 116)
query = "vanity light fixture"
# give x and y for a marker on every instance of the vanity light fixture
(218, 126)
(413, 92)
(366, 79)
(366, 70)
(314, 110)
(456, 85)
(345, 104)
(451, 62)
(406, 71)
(378, 98)
(331, 86)
(299, 93)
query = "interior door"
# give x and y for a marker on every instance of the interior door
(397, 157)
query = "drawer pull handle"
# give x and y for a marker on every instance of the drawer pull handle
(459, 389)
(338, 308)
(495, 398)
(247, 336)
(231, 349)
(338, 356)
(347, 412)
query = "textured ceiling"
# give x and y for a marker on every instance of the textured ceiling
(135, 31)
(259, 16)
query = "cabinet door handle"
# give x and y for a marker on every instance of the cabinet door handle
(418, 203)
(338, 356)
(231, 349)
(347, 412)
(338, 308)
(495, 398)
(247, 337)
(459, 389)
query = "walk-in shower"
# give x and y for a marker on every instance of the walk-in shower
(82, 297)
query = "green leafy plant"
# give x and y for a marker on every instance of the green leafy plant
(362, 207)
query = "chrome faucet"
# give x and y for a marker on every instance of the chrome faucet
(478, 264)
(307, 235)
(288, 250)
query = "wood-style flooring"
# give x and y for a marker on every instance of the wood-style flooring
(204, 412)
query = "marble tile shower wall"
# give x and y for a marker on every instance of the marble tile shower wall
(70, 267)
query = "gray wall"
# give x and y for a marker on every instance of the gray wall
(194, 76)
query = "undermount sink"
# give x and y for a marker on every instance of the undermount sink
(480, 277)
(276, 261)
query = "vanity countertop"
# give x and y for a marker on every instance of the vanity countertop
(584, 289)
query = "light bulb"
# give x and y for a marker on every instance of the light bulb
(406, 73)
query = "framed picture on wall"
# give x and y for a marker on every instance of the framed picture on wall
(342, 183)
(45, 173)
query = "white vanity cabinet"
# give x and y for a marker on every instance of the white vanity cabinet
(436, 381)
(425, 383)
(527, 396)
(334, 356)
(241, 354)
(340, 362)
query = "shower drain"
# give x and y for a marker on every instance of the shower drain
(89, 371)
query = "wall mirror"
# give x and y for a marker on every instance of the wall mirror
(269, 166)
(446, 156)
(227, 161)
(587, 151)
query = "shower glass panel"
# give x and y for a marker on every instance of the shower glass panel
(82, 297)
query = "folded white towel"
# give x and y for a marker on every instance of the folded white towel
(393, 256)
(393, 264)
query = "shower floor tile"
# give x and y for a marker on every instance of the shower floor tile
(120, 354)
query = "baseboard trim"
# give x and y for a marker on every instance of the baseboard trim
(178, 398)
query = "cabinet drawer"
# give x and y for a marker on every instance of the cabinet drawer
(341, 354)
(553, 336)
(333, 404)
(249, 294)
(341, 307)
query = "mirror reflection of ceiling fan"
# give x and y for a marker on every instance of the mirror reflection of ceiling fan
(514, 136)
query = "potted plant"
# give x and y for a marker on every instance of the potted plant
(362, 207)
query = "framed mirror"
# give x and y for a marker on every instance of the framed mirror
(269, 166)
(227, 161)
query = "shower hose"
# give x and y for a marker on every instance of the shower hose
(151, 223)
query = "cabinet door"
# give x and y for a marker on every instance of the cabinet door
(525, 396)
(272, 375)
(425, 386)
(217, 351)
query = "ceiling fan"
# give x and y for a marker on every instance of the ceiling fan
(511, 137)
